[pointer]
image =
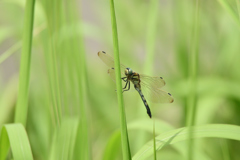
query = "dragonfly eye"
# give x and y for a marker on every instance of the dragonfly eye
(128, 71)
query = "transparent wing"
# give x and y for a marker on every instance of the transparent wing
(111, 73)
(109, 61)
(155, 95)
(152, 82)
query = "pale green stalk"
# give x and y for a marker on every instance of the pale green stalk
(83, 145)
(193, 62)
(151, 36)
(22, 101)
(124, 132)
(154, 141)
(150, 50)
(238, 7)
(54, 23)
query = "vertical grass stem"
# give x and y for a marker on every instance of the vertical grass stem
(22, 101)
(193, 62)
(124, 132)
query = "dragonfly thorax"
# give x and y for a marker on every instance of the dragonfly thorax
(128, 71)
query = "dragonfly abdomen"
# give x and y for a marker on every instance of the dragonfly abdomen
(145, 102)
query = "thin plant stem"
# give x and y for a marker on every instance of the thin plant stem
(124, 133)
(22, 101)
(154, 141)
(193, 62)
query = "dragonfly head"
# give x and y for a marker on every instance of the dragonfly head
(128, 71)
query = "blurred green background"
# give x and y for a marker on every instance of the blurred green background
(67, 79)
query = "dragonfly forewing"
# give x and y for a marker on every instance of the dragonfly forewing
(111, 73)
(109, 61)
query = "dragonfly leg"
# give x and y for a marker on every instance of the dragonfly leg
(124, 79)
(128, 86)
(126, 83)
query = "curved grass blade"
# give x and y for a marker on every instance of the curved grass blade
(113, 146)
(146, 125)
(15, 136)
(206, 131)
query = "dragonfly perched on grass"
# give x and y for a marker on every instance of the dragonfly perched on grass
(146, 86)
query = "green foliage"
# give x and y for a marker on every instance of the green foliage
(68, 104)
(181, 134)
(15, 136)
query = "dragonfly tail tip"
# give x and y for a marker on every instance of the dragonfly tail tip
(149, 114)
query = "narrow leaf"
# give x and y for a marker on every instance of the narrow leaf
(15, 136)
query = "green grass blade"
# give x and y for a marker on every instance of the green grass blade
(230, 11)
(124, 133)
(146, 125)
(53, 14)
(5, 55)
(64, 140)
(82, 148)
(151, 35)
(154, 141)
(150, 47)
(225, 150)
(193, 66)
(150, 51)
(181, 134)
(238, 8)
(67, 70)
(9, 52)
(22, 101)
(15, 136)
(8, 100)
(113, 146)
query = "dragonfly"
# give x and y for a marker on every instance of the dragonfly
(146, 86)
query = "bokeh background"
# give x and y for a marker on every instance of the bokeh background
(64, 30)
